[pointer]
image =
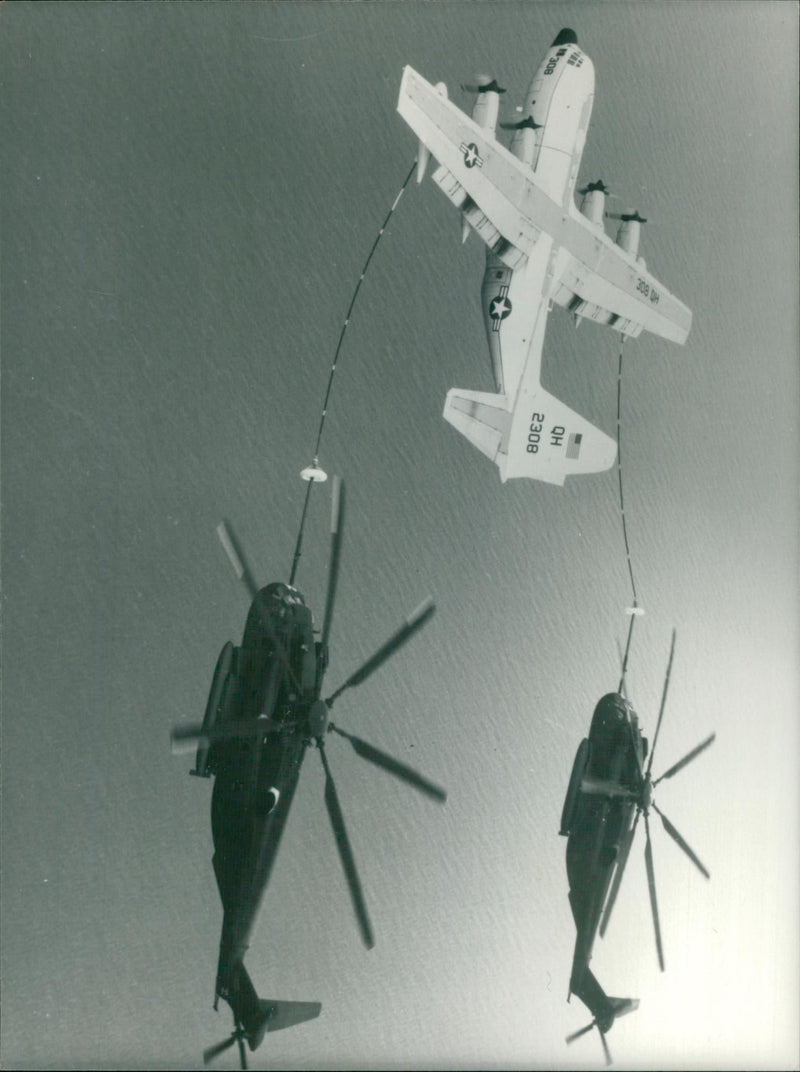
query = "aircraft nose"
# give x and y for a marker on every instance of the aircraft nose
(565, 37)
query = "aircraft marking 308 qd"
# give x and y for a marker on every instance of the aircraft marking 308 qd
(541, 249)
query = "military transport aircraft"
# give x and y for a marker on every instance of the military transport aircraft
(608, 790)
(264, 709)
(541, 250)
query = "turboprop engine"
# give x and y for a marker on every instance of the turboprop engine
(593, 205)
(523, 142)
(487, 102)
(629, 230)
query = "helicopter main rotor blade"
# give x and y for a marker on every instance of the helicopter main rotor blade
(651, 883)
(634, 614)
(337, 525)
(622, 860)
(346, 853)
(676, 837)
(183, 737)
(605, 788)
(623, 689)
(416, 621)
(235, 556)
(393, 766)
(663, 702)
(686, 759)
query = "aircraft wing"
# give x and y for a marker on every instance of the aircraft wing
(500, 197)
(477, 173)
(599, 280)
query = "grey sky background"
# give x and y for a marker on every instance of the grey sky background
(189, 194)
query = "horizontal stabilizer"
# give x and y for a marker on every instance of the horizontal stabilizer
(542, 438)
(483, 418)
(290, 1013)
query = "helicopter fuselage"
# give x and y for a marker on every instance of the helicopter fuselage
(596, 823)
(272, 677)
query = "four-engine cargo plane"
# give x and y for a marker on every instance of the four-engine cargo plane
(541, 249)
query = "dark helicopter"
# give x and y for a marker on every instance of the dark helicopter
(265, 708)
(609, 789)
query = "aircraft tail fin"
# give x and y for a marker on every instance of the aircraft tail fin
(255, 1016)
(539, 437)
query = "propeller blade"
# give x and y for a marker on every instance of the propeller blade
(393, 766)
(482, 84)
(598, 186)
(236, 558)
(606, 1051)
(242, 1054)
(346, 853)
(676, 837)
(651, 883)
(337, 524)
(220, 1047)
(686, 759)
(622, 860)
(521, 124)
(663, 702)
(419, 618)
(634, 216)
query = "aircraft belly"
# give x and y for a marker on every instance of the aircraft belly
(515, 314)
(246, 840)
(598, 271)
(568, 108)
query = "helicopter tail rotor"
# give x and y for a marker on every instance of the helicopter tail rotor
(272, 1016)
(584, 1031)
(237, 1035)
(618, 1007)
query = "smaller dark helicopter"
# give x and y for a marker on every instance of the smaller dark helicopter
(265, 708)
(609, 789)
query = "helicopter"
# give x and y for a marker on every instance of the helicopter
(610, 788)
(264, 710)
